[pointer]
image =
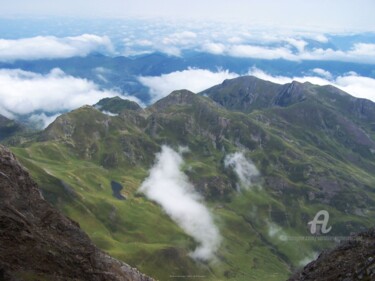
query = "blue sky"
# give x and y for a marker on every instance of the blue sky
(319, 31)
(322, 14)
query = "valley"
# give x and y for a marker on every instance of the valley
(314, 148)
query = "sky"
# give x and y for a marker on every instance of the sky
(332, 14)
(319, 31)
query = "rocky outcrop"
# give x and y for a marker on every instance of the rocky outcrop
(38, 243)
(350, 261)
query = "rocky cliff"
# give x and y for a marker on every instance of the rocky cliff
(38, 243)
(351, 260)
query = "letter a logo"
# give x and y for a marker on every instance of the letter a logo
(316, 221)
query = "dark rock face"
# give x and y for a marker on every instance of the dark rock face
(39, 243)
(351, 260)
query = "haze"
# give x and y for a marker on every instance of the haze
(333, 14)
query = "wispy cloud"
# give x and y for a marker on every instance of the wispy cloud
(359, 52)
(244, 168)
(171, 189)
(195, 80)
(51, 47)
(24, 93)
(41, 121)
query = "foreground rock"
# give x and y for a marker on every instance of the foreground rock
(39, 243)
(351, 260)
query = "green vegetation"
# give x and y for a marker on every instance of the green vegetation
(312, 154)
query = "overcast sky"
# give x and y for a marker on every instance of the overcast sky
(331, 14)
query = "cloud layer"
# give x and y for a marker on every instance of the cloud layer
(293, 50)
(244, 168)
(195, 80)
(51, 47)
(25, 93)
(170, 188)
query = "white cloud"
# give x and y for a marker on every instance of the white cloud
(275, 231)
(297, 43)
(320, 38)
(23, 93)
(260, 52)
(357, 86)
(195, 80)
(324, 73)
(360, 52)
(308, 258)
(213, 48)
(244, 168)
(181, 38)
(41, 121)
(51, 47)
(170, 188)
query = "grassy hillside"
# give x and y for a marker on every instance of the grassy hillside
(311, 156)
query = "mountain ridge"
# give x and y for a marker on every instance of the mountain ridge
(311, 154)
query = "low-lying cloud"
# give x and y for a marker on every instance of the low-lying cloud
(293, 50)
(275, 231)
(355, 85)
(243, 167)
(192, 79)
(41, 121)
(51, 47)
(171, 189)
(28, 93)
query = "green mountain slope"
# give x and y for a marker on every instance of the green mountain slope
(312, 145)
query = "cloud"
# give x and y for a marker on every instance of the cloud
(170, 188)
(41, 121)
(182, 38)
(359, 52)
(324, 73)
(353, 84)
(25, 93)
(297, 43)
(244, 168)
(275, 231)
(51, 47)
(308, 258)
(195, 80)
(260, 52)
(213, 48)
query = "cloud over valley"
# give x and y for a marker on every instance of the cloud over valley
(171, 189)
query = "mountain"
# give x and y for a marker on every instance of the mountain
(116, 105)
(312, 145)
(9, 128)
(38, 243)
(122, 73)
(351, 260)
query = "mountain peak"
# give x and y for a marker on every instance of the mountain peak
(116, 105)
(174, 98)
(244, 93)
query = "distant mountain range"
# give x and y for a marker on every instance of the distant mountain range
(122, 73)
(313, 146)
